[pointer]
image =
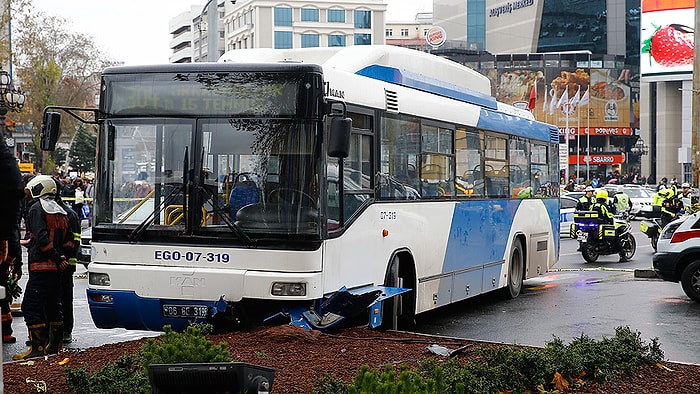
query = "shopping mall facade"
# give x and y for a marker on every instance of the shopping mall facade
(581, 60)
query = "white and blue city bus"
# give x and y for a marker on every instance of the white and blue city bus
(311, 185)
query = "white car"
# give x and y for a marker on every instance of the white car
(677, 258)
(566, 214)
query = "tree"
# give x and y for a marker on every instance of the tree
(56, 67)
(82, 152)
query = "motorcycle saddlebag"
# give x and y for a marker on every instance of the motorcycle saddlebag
(606, 231)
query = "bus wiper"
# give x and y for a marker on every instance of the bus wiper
(137, 233)
(236, 229)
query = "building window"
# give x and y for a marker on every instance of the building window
(336, 40)
(363, 19)
(283, 16)
(389, 32)
(309, 40)
(283, 39)
(336, 16)
(404, 32)
(309, 14)
(363, 39)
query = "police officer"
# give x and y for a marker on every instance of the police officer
(670, 208)
(606, 215)
(621, 201)
(585, 202)
(51, 243)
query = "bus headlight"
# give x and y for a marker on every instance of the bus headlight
(288, 289)
(98, 279)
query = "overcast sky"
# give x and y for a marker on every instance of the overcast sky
(136, 31)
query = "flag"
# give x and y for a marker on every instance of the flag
(577, 98)
(563, 99)
(533, 97)
(553, 103)
(584, 98)
(544, 105)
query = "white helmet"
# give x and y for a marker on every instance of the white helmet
(42, 185)
(685, 184)
(620, 189)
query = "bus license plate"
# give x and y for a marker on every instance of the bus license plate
(197, 311)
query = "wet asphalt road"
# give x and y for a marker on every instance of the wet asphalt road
(581, 298)
(576, 298)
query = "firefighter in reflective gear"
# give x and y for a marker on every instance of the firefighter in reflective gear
(50, 244)
(621, 201)
(67, 274)
(670, 208)
(604, 212)
(585, 202)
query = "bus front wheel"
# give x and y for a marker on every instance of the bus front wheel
(515, 270)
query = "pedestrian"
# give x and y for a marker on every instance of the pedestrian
(11, 194)
(51, 243)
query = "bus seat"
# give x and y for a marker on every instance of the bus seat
(243, 192)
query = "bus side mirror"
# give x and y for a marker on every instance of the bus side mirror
(339, 139)
(50, 130)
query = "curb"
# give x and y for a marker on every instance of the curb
(645, 273)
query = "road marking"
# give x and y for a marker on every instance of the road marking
(591, 269)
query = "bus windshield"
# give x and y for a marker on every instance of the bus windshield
(213, 176)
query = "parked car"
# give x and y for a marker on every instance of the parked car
(566, 214)
(85, 251)
(677, 258)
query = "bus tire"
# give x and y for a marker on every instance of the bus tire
(516, 265)
(399, 312)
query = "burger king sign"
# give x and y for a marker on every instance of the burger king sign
(435, 36)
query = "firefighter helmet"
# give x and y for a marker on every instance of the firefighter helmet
(42, 185)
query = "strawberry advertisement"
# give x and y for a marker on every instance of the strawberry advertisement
(667, 38)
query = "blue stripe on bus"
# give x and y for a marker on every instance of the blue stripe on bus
(135, 312)
(426, 84)
(482, 227)
(498, 121)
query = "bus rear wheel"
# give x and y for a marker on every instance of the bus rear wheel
(399, 311)
(515, 270)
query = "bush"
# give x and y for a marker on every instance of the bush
(512, 368)
(129, 374)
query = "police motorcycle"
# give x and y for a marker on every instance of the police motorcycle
(652, 229)
(598, 238)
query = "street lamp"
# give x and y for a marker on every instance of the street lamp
(11, 99)
(212, 26)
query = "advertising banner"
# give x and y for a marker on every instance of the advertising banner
(667, 36)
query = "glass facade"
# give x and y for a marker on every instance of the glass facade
(283, 16)
(363, 39)
(336, 16)
(283, 39)
(309, 14)
(476, 22)
(363, 19)
(309, 40)
(336, 40)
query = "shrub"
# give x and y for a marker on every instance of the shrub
(129, 374)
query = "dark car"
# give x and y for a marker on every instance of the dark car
(85, 251)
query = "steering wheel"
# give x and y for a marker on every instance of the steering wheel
(291, 196)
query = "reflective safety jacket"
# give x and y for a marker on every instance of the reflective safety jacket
(621, 202)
